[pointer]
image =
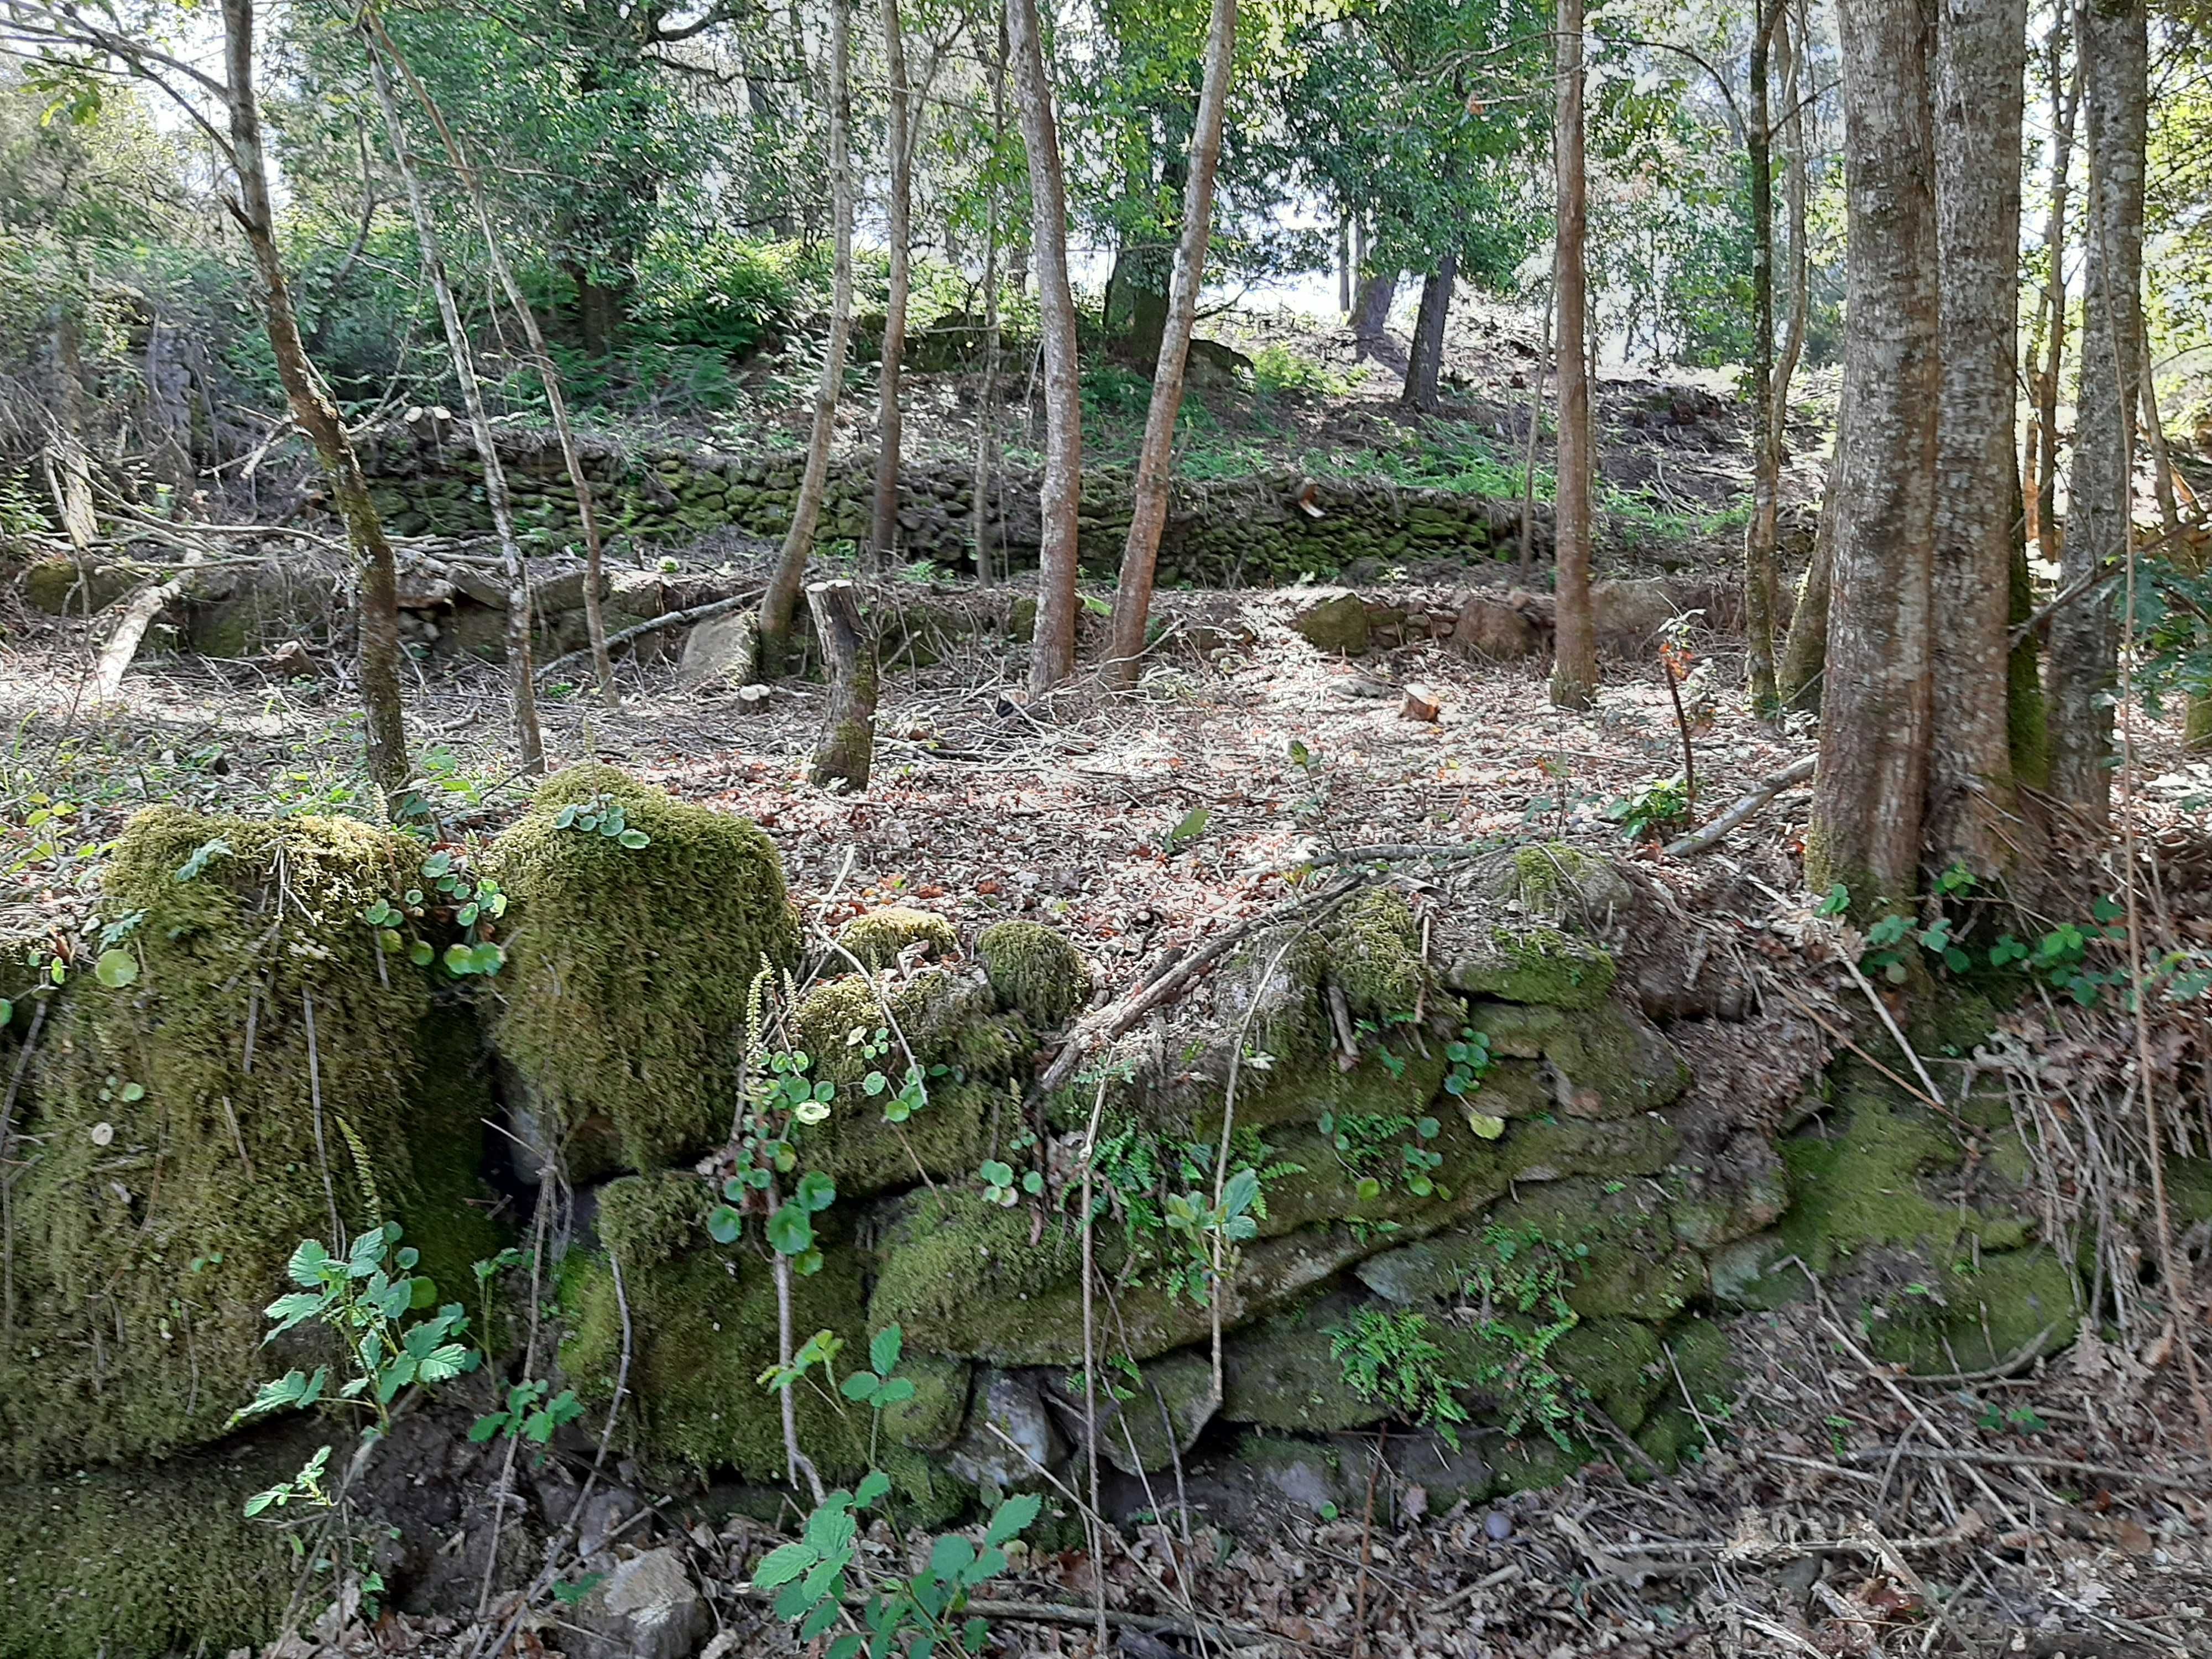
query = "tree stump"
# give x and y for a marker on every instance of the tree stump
(848, 743)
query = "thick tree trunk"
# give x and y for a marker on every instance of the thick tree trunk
(1370, 312)
(884, 530)
(1980, 66)
(846, 746)
(780, 602)
(1869, 802)
(2085, 635)
(1574, 672)
(1133, 594)
(530, 743)
(549, 374)
(1425, 364)
(317, 416)
(1760, 585)
(1052, 654)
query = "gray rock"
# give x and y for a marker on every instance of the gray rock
(721, 649)
(646, 1608)
(1010, 1402)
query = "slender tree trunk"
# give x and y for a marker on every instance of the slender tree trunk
(1805, 652)
(2197, 709)
(317, 413)
(2065, 103)
(1574, 672)
(1370, 312)
(846, 746)
(1344, 272)
(1052, 655)
(987, 408)
(530, 743)
(1760, 584)
(1981, 64)
(556, 403)
(1425, 364)
(884, 531)
(1791, 31)
(780, 602)
(2085, 635)
(1868, 803)
(72, 462)
(1133, 594)
(1529, 457)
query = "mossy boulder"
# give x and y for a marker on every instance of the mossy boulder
(1283, 1373)
(628, 968)
(1337, 625)
(878, 938)
(1374, 956)
(135, 1564)
(1539, 964)
(1603, 1063)
(1148, 1420)
(1034, 972)
(702, 1328)
(1556, 883)
(967, 1051)
(244, 1073)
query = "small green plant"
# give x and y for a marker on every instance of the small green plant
(1194, 1221)
(816, 1576)
(1519, 1289)
(601, 815)
(1649, 811)
(452, 894)
(1364, 1142)
(528, 1414)
(1277, 369)
(1002, 1186)
(2020, 1420)
(1389, 1359)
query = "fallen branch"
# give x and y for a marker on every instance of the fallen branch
(1744, 810)
(121, 647)
(1119, 1016)
(2190, 1483)
(696, 613)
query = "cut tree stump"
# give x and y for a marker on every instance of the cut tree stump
(1420, 704)
(848, 743)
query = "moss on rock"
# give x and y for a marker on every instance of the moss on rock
(628, 972)
(1034, 972)
(1604, 1061)
(135, 1564)
(1374, 955)
(187, 1125)
(702, 1328)
(1540, 964)
(878, 939)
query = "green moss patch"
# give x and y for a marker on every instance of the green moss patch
(189, 1132)
(1034, 972)
(879, 938)
(628, 972)
(1533, 965)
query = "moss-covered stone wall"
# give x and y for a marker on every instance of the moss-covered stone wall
(1478, 1194)
(1252, 531)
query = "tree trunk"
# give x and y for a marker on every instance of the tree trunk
(1052, 654)
(2065, 103)
(1370, 312)
(1344, 272)
(1872, 784)
(985, 496)
(1805, 652)
(2085, 635)
(846, 746)
(1790, 37)
(1981, 62)
(782, 600)
(317, 416)
(1574, 672)
(1425, 364)
(2196, 710)
(72, 463)
(556, 403)
(1528, 459)
(1760, 585)
(884, 530)
(1133, 593)
(529, 742)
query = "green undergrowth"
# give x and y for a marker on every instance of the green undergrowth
(624, 996)
(1034, 971)
(244, 1068)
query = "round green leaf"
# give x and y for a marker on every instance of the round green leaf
(791, 1230)
(724, 1224)
(115, 968)
(635, 839)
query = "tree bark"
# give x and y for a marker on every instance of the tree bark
(1792, 31)
(986, 496)
(1133, 593)
(72, 462)
(1868, 803)
(884, 530)
(556, 403)
(1529, 457)
(1425, 364)
(2065, 103)
(1805, 652)
(317, 413)
(529, 742)
(1051, 654)
(1574, 672)
(2085, 635)
(1370, 312)
(846, 746)
(1981, 62)
(1760, 585)
(779, 604)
